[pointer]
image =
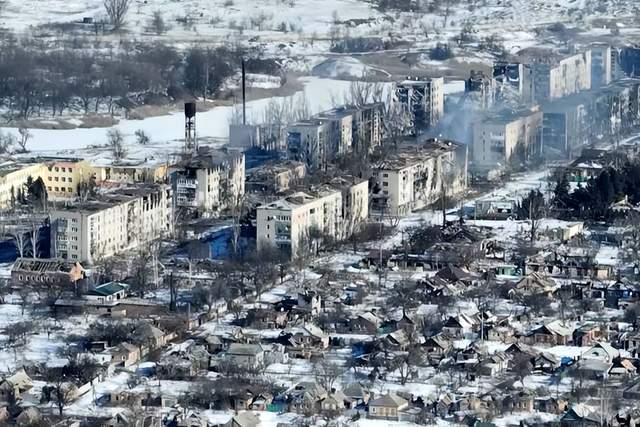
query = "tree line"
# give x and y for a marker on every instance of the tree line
(38, 81)
(592, 200)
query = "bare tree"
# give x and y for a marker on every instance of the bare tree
(59, 390)
(405, 364)
(25, 136)
(327, 373)
(20, 239)
(117, 11)
(115, 140)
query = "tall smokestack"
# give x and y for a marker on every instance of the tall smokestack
(244, 95)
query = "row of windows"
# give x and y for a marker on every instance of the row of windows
(57, 169)
(63, 179)
(61, 189)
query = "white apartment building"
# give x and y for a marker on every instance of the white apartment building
(210, 182)
(418, 176)
(291, 223)
(122, 220)
(556, 76)
(422, 101)
(505, 137)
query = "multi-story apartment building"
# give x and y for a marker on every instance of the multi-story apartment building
(121, 220)
(512, 78)
(367, 127)
(210, 182)
(558, 75)
(339, 123)
(294, 223)
(422, 101)
(418, 176)
(601, 71)
(565, 127)
(307, 141)
(63, 176)
(501, 138)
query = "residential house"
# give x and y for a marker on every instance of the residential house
(125, 355)
(601, 351)
(107, 292)
(437, 346)
(12, 387)
(554, 333)
(587, 335)
(387, 406)
(306, 397)
(580, 416)
(494, 364)
(533, 284)
(368, 323)
(356, 393)
(459, 326)
(518, 402)
(250, 355)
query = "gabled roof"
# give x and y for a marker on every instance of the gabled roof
(389, 400)
(245, 349)
(607, 348)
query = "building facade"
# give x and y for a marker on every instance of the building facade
(418, 176)
(422, 101)
(123, 220)
(502, 138)
(210, 182)
(296, 223)
(557, 76)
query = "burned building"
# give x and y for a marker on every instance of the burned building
(513, 80)
(422, 101)
(481, 88)
(210, 181)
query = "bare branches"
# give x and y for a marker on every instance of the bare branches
(115, 141)
(117, 11)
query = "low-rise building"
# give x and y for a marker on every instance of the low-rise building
(418, 176)
(59, 272)
(107, 292)
(121, 220)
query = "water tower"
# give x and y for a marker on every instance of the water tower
(190, 141)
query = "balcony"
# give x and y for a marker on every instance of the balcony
(186, 183)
